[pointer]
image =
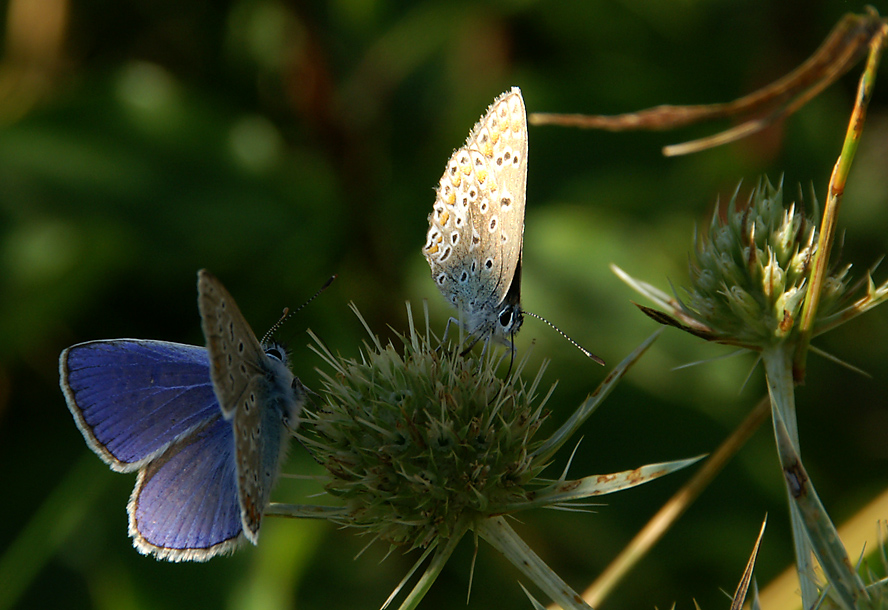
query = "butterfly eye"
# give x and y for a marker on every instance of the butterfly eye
(275, 352)
(505, 317)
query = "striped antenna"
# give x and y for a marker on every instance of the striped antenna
(563, 334)
(287, 313)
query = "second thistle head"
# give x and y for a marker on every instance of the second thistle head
(749, 273)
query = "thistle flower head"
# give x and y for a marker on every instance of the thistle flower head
(419, 442)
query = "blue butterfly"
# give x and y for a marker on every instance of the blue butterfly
(206, 428)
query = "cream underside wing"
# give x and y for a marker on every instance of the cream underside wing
(476, 228)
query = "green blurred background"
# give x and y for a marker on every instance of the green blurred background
(277, 143)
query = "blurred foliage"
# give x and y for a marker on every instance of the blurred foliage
(279, 142)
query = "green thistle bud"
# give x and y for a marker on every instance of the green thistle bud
(749, 275)
(749, 278)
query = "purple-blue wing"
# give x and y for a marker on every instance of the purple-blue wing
(132, 399)
(185, 504)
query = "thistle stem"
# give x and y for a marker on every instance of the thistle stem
(813, 531)
(442, 554)
(781, 388)
(502, 537)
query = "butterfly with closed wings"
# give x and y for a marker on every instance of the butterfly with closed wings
(476, 229)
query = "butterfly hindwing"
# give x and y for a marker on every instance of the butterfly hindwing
(260, 441)
(185, 503)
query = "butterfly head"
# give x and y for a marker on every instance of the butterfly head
(278, 371)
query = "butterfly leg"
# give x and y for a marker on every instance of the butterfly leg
(472, 344)
(452, 320)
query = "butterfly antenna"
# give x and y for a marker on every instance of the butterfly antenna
(287, 313)
(572, 342)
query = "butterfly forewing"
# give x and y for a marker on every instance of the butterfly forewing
(233, 348)
(498, 216)
(131, 398)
